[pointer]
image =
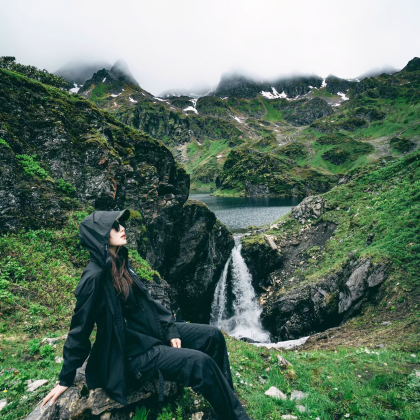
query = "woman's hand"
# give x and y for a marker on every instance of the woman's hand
(176, 342)
(54, 394)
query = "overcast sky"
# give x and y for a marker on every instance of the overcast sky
(178, 44)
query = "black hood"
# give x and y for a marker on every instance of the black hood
(94, 233)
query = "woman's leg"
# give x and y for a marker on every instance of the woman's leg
(209, 340)
(199, 371)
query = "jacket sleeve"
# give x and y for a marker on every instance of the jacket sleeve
(167, 322)
(77, 346)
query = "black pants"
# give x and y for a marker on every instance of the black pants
(201, 363)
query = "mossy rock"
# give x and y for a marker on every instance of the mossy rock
(401, 145)
(336, 156)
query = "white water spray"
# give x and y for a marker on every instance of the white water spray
(246, 321)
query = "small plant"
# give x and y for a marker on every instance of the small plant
(4, 143)
(31, 167)
(34, 346)
(46, 352)
(166, 413)
(65, 187)
(141, 413)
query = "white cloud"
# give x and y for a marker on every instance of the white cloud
(222, 36)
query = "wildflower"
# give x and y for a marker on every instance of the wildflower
(386, 364)
(5, 390)
(347, 415)
(238, 374)
(317, 418)
(336, 389)
(329, 377)
(242, 381)
(413, 355)
(359, 376)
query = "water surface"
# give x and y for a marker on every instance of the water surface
(237, 213)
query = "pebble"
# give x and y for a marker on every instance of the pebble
(36, 384)
(301, 408)
(276, 393)
(298, 395)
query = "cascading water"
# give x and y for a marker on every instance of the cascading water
(240, 317)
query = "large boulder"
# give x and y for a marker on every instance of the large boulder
(78, 402)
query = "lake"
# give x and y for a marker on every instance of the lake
(237, 213)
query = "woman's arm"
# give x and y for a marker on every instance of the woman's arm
(167, 322)
(77, 346)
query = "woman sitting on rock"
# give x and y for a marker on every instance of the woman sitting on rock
(137, 337)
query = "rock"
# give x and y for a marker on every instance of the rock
(50, 341)
(197, 416)
(283, 362)
(78, 402)
(270, 240)
(369, 239)
(301, 408)
(288, 417)
(248, 340)
(311, 207)
(36, 384)
(3, 403)
(262, 380)
(276, 393)
(298, 396)
(386, 323)
(58, 359)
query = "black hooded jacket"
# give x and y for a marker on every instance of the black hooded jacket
(97, 302)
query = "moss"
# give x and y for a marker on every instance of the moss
(32, 168)
(4, 143)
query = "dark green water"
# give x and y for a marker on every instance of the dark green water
(237, 213)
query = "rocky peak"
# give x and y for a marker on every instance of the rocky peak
(120, 70)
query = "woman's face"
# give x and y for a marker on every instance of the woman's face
(117, 237)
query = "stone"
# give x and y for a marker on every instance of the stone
(3, 403)
(275, 393)
(270, 241)
(197, 416)
(36, 384)
(288, 417)
(58, 359)
(283, 362)
(301, 408)
(386, 323)
(298, 396)
(78, 402)
(311, 207)
(50, 341)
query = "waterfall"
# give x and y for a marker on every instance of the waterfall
(244, 317)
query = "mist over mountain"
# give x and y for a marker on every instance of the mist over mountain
(377, 71)
(80, 71)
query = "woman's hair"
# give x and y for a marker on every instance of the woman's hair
(120, 277)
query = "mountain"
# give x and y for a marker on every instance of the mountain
(290, 136)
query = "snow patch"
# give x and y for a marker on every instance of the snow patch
(219, 156)
(343, 96)
(324, 83)
(103, 81)
(194, 101)
(224, 98)
(237, 119)
(162, 100)
(114, 95)
(190, 108)
(75, 89)
(132, 100)
(274, 95)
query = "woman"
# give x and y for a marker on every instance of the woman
(137, 337)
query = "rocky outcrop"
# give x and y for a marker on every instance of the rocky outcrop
(308, 308)
(310, 208)
(59, 153)
(78, 402)
(197, 260)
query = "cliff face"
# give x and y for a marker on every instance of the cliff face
(60, 153)
(351, 251)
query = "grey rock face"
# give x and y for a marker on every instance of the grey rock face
(258, 190)
(309, 209)
(303, 310)
(78, 402)
(198, 258)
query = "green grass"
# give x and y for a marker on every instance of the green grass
(272, 113)
(364, 383)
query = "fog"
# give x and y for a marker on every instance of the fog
(189, 43)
